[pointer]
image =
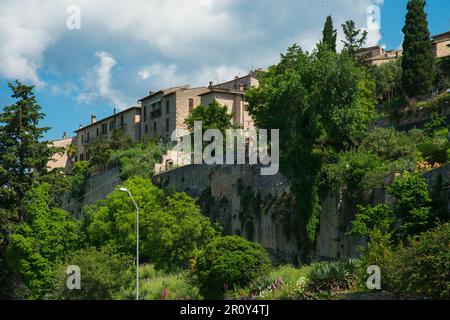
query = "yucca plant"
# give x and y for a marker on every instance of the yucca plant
(333, 276)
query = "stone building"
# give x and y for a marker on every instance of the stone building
(127, 120)
(441, 44)
(232, 95)
(61, 160)
(376, 55)
(165, 110)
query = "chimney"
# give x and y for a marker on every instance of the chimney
(150, 93)
(114, 111)
(241, 87)
(236, 77)
(93, 119)
(64, 135)
(211, 84)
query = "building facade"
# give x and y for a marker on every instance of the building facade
(165, 110)
(376, 55)
(62, 160)
(441, 45)
(127, 120)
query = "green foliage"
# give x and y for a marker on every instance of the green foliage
(442, 80)
(156, 285)
(380, 252)
(38, 244)
(104, 273)
(100, 150)
(333, 276)
(171, 227)
(417, 59)
(422, 269)
(388, 79)
(389, 144)
(138, 161)
(212, 116)
(329, 101)
(77, 181)
(354, 38)
(229, 262)
(418, 270)
(120, 140)
(412, 204)
(370, 218)
(329, 34)
(23, 155)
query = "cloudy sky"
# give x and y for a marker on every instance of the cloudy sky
(124, 48)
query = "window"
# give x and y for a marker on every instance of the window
(191, 105)
(87, 137)
(97, 132)
(154, 126)
(82, 138)
(88, 156)
(82, 157)
(145, 113)
(167, 106)
(104, 129)
(146, 128)
(111, 125)
(122, 121)
(167, 124)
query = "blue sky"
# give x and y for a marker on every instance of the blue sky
(126, 48)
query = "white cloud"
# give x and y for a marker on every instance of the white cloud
(188, 36)
(98, 82)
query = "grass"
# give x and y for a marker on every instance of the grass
(156, 285)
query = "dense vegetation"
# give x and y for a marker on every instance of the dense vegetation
(328, 144)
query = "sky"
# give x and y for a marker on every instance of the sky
(90, 56)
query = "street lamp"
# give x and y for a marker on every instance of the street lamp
(137, 240)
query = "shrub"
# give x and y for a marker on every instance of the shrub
(412, 204)
(104, 273)
(369, 218)
(156, 285)
(333, 276)
(422, 269)
(172, 227)
(229, 262)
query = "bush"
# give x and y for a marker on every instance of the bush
(172, 229)
(333, 276)
(422, 269)
(156, 285)
(229, 262)
(104, 273)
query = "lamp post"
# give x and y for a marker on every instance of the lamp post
(137, 240)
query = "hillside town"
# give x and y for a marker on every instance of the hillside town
(357, 206)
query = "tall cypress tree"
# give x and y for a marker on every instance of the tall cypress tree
(329, 34)
(22, 155)
(418, 59)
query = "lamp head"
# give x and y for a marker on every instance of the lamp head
(123, 189)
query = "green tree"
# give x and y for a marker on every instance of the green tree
(171, 226)
(42, 241)
(104, 273)
(388, 79)
(354, 38)
(100, 150)
(417, 60)
(412, 204)
(329, 34)
(229, 263)
(120, 140)
(213, 116)
(23, 155)
(369, 218)
(329, 101)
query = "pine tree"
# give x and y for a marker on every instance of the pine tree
(22, 155)
(417, 60)
(354, 38)
(329, 34)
